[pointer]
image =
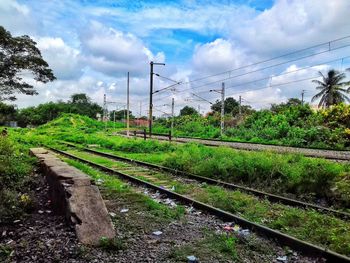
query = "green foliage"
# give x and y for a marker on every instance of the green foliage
(294, 174)
(111, 244)
(120, 115)
(5, 252)
(7, 113)
(218, 246)
(193, 125)
(15, 168)
(296, 126)
(188, 111)
(331, 90)
(79, 104)
(290, 124)
(19, 54)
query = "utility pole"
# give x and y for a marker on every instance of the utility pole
(222, 107)
(114, 116)
(222, 92)
(128, 106)
(302, 97)
(199, 109)
(172, 116)
(104, 118)
(240, 105)
(150, 115)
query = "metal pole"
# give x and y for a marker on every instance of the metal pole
(105, 110)
(222, 108)
(302, 97)
(150, 99)
(124, 113)
(150, 116)
(128, 107)
(240, 105)
(172, 116)
(114, 116)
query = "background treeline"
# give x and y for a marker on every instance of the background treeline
(289, 123)
(43, 113)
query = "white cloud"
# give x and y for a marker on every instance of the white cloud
(16, 18)
(217, 56)
(113, 52)
(62, 59)
(293, 24)
(209, 18)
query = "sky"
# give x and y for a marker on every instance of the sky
(264, 51)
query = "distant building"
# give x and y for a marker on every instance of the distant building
(139, 122)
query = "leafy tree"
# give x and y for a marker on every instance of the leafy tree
(79, 104)
(331, 89)
(120, 115)
(284, 106)
(231, 105)
(188, 111)
(7, 113)
(20, 55)
(80, 98)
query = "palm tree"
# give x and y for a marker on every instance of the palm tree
(332, 89)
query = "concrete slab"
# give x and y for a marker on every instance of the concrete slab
(88, 211)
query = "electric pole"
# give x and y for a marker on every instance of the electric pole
(302, 97)
(128, 106)
(222, 92)
(172, 116)
(240, 105)
(150, 115)
(104, 118)
(222, 107)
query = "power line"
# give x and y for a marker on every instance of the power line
(265, 78)
(274, 58)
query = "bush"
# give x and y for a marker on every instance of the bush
(15, 168)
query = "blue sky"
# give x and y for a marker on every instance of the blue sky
(92, 44)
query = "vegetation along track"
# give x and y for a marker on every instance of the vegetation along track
(150, 179)
(336, 155)
(270, 197)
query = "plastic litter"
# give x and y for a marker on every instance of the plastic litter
(124, 210)
(157, 233)
(244, 232)
(112, 214)
(282, 259)
(192, 259)
(172, 188)
(99, 181)
(170, 202)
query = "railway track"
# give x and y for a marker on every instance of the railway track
(336, 155)
(127, 171)
(261, 194)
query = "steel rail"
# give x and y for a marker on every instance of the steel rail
(294, 243)
(269, 196)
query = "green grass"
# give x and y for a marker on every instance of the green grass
(219, 245)
(307, 225)
(116, 186)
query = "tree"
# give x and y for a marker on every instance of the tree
(20, 55)
(231, 106)
(120, 115)
(80, 98)
(331, 89)
(7, 113)
(292, 102)
(188, 111)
